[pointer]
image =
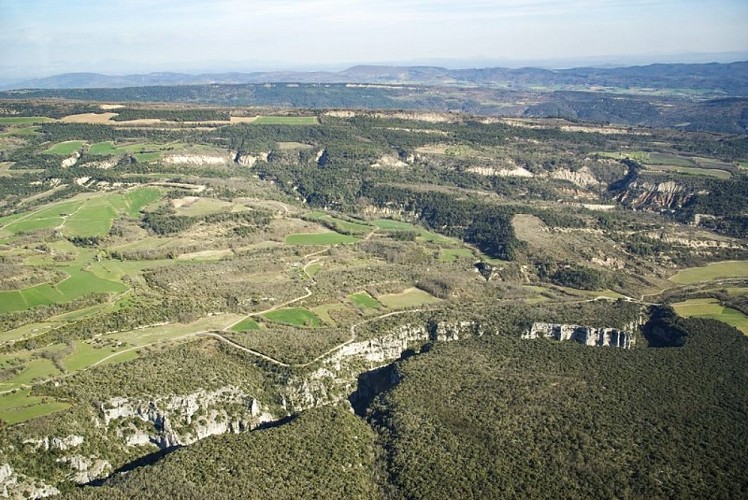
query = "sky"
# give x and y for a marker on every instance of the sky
(45, 37)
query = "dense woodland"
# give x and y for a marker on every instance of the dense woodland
(512, 418)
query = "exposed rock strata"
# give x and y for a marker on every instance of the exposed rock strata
(183, 419)
(17, 485)
(587, 335)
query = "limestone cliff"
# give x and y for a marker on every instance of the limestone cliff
(590, 336)
(15, 485)
(336, 377)
(182, 419)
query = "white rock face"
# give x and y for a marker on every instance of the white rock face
(197, 159)
(337, 377)
(104, 164)
(582, 177)
(389, 161)
(601, 337)
(184, 419)
(87, 469)
(56, 443)
(658, 196)
(249, 160)
(501, 172)
(14, 485)
(72, 160)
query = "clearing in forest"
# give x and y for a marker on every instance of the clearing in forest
(412, 297)
(245, 325)
(295, 316)
(365, 301)
(712, 309)
(714, 271)
(65, 148)
(324, 238)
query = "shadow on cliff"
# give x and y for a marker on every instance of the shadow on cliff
(143, 461)
(376, 381)
(153, 458)
(663, 330)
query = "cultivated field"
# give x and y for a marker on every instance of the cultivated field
(412, 297)
(365, 301)
(325, 238)
(245, 325)
(711, 308)
(65, 148)
(714, 271)
(294, 316)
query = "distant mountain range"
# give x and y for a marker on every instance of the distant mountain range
(709, 80)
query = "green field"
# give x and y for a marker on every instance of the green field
(94, 218)
(364, 300)
(439, 239)
(21, 406)
(452, 254)
(641, 156)
(90, 215)
(323, 312)
(47, 217)
(706, 172)
(395, 225)
(137, 199)
(711, 308)
(326, 238)
(20, 131)
(717, 270)
(78, 284)
(295, 316)
(103, 148)
(206, 206)
(286, 120)
(340, 224)
(65, 148)
(23, 120)
(84, 355)
(412, 297)
(245, 325)
(313, 269)
(353, 227)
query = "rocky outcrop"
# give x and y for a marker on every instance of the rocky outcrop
(16, 485)
(336, 378)
(86, 469)
(582, 177)
(389, 161)
(104, 164)
(660, 196)
(55, 443)
(72, 160)
(197, 160)
(183, 419)
(515, 171)
(587, 335)
(248, 160)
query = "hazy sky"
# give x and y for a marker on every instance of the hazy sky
(41, 37)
